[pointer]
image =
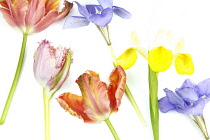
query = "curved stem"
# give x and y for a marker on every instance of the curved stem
(105, 33)
(15, 80)
(46, 100)
(111, 128)
(135, 106)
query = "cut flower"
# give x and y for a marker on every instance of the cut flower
(188, 99)
(100, 15)
(32, 16)
(51, 65)
(98, 101)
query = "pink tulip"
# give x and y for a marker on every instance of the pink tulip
(32, 16)
(51, 66)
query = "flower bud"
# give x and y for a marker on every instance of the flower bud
(51, 66)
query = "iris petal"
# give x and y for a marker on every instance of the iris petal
(187, 94)
(82, 10)
(106, 3)
(160, 59)
(184, 64)
(94, 9)
(121, 12)
(203, 87)
(175, 99)
(165, 105)
(102, 19)
(195, 109)
(75, 22)
(127, 59)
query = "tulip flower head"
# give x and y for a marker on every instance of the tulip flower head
(51, 65)
(97, 101)
(100, 15)
(32, 16)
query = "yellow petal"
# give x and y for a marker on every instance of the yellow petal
(180, 46)
(135, 40)
(184, 64)
(160, 59)
(127, 59)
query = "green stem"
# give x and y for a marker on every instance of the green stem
(15, 80)
(111, 128)
(105, 33)
(133, 102)
(153, 98)
(46, 100)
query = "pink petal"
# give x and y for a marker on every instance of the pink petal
(95, 98)
(51, 17)
(10, 20)
(116, 87)
(18, 10)
(74, 105)
(35, 12)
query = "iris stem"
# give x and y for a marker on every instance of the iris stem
(200, 121)
(105, 33)
(46, 100)
(111, 128)
(153, 98)
(15, 80)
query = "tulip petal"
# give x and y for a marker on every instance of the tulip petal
(121, 12)
(102, 19)
(127, 59)
(18, 10)
(60, 78)
(116, 87)
(10, 20)
(74, 105)
(106, 3)
(75, 22)
(160, 59)
(51, 17)
(184, 64)
(35, 12)
(51, 4)
(95, 98)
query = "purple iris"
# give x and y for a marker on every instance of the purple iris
(188, 99)
(98, 14)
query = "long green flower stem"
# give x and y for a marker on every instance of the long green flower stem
(46, 100)
(153, 98)
(105, 33)
(111, 128)
(15, 80)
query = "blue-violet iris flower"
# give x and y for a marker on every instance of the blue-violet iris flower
(188, 99)
(100, 15)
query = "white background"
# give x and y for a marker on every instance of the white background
(187, 19)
